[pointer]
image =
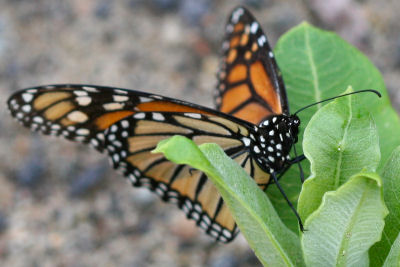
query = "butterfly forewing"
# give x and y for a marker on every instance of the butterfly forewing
(82, 113)
(250, 86)
(130, 142)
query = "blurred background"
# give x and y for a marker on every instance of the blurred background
(60, 202)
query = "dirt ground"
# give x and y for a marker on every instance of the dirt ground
(61, 204)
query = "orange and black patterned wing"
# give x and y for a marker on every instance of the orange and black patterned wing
(83, 112)
(250, 85)
(129, 124)
(130, 141)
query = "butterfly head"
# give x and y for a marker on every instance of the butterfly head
(293, 125)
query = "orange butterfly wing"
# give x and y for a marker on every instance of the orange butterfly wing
(250, 86)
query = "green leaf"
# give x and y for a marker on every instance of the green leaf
(393, 259)
(391, 192)
(339, 141)
(315, 65)
(272, 242)
(348, 222)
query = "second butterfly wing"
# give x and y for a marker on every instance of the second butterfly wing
(250, 86)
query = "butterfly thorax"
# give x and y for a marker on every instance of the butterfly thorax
(276, 136)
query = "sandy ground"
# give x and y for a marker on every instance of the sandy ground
(60, 203)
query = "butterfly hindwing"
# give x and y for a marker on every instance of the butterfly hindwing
(250, 86)
(130, 142)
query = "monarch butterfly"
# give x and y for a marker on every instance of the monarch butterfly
(252, 124)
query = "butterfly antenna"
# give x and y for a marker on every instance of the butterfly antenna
(332, 98)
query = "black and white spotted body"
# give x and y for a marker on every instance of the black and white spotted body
(276, 136)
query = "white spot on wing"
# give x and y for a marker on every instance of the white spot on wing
(113, 106)
(254, 27)
(121, 91)
(193, 115)
(225, 46)
(84, 100)
(157, 96)
(77, 116)
(94, 142)
(270, 54)
(261, 40)
(114, 128)
(158, 116)
(13, 102)
(90, 89)
(236, 15)
(140, 115)
(117, 143)
(124, 124)
(100, 136)
(246, 141)
(26, 108)
(144, 99)
(120, 98)
(38, 119)
(27, 97)
(80, 93)
(83, 131)
(79, 138)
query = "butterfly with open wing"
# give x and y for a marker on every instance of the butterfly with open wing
(252, 124)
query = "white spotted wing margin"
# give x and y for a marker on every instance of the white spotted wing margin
(75, 112)
(130, 142)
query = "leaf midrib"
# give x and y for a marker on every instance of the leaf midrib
(341, 151)
(345, 241)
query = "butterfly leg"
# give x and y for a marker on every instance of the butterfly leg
(288, 201)
(297, 160)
